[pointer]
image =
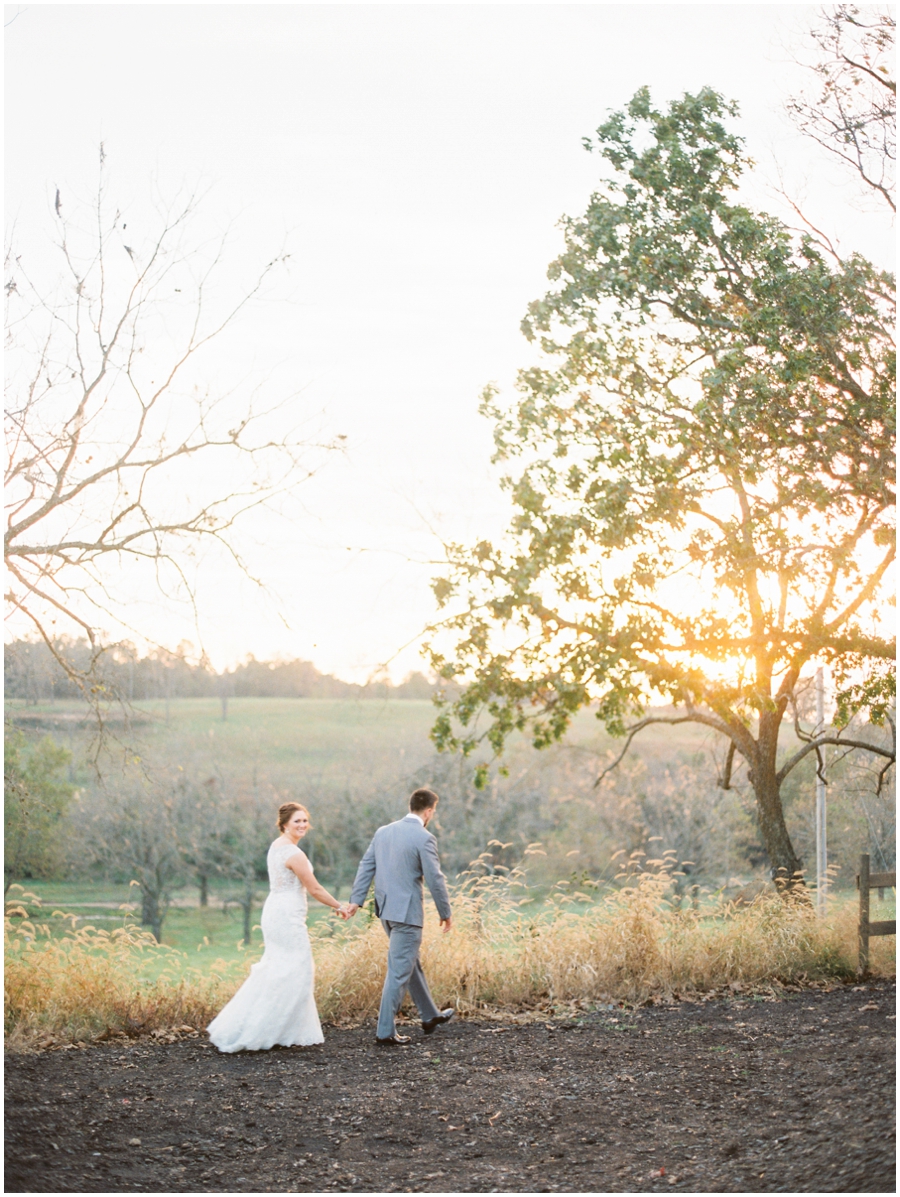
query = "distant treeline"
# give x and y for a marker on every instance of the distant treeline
(32, 673)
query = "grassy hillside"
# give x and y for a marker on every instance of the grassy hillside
(292, 740)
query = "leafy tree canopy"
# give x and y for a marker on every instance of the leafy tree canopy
(704, 453)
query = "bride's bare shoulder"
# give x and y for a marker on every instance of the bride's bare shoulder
(283, 843)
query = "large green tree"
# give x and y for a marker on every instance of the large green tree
(703, 481)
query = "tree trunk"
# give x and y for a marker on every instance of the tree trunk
(203, 882)
(151, 913)
(248, 908)
(785, 866)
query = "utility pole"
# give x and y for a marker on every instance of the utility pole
(821, 827)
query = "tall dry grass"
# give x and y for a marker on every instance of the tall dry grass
(69, 983)
(630, 945)
(502, 955)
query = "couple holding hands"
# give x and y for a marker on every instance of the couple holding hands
(276, 1004)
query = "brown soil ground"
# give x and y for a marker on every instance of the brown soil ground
(744, 1095)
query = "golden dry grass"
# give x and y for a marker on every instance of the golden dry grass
(629, 946)
(71, 984)
(501, 956)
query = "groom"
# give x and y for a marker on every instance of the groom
(399, 856)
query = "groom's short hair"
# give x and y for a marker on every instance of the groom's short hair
(422, 799)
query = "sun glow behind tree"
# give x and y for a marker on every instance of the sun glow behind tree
(704, 499)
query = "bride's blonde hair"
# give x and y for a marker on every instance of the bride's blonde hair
(287, 810)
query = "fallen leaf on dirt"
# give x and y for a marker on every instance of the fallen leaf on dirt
(657, 1173)
(869, 1006)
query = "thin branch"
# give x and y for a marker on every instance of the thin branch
(830, 738)
(631, 732)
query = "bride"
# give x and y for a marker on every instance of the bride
(276, 1003)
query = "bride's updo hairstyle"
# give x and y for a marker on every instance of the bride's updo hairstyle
(287, 810)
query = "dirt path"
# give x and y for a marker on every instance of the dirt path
(740, 1096)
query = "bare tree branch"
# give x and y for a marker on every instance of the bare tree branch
(831, 738)
(112, 453)
(695, 717)
(853, 113)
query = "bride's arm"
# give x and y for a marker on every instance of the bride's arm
(298, 864)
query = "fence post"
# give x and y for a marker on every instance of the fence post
(863, 882)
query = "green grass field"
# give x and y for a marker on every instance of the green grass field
(307, 737)
(282, 738)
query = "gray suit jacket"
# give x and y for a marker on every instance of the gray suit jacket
(398, 858)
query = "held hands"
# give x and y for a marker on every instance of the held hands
(349, 909)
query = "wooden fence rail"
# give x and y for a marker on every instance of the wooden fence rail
(866, 881)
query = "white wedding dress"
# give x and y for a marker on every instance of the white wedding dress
(276, 1003)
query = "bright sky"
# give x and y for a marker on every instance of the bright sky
(416, 157)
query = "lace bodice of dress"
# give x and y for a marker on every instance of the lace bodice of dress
(281, 878)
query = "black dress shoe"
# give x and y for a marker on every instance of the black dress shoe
(393, 1040)
(430, 1024)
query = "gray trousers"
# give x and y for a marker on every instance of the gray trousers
(403, 972)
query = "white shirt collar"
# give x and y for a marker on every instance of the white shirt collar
(413, 815)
